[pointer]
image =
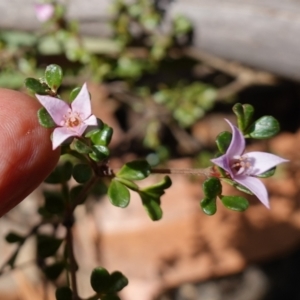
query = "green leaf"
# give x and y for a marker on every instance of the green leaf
(54, 202)
(80, 147)
(102, 136)
(47, 245)
(64, 293)
(53, 271)
(99, 153)
(53, 76)
(209, 206)
(45, 119)
(118, 194)
(75, 192)
(117, 281)
(135, 170)
(74, 93)
(13, 237)
(268, 173)
(223, 141)
(82, 173)
(160, 186)
(237, 186)
(151, 204)
(236, 203)
(212, 187)
(239, 112)
(264, 128)
(248, 114)
(36, 86)
(61, 173)
(244, 115)
(128, 183)
(100, 280)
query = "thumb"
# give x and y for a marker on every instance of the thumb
(26, 155)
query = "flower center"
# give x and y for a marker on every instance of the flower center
(71, 119)
(242, 165)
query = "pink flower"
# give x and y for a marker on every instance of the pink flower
(244, 167)
(44, 12)
(72, 120)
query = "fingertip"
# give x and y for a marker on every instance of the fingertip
(26, 155)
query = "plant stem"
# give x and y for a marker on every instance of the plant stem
(184, 171)
(84, 192)
(72, 262)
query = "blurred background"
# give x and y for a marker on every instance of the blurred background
(164, 74)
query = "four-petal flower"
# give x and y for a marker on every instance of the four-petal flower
(244, 167)
(72, 120)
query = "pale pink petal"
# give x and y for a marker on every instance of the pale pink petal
(80, 129)
(43, 12)
(91, 121)
(60, 134)
(223, 162)
(262, 161)
(55, 107)
(237, 144)
(82, 103)
(256, 187)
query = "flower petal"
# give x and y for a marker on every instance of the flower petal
(55, 107)
(262, 161)
(60, 134)
(82, 103)
(91, 121)
(43, 11)
(80, 129)
(223, 162)
(237, 144)
(256, 187)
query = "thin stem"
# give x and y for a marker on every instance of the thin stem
(84, 192)
(72, 262)
(184, 171)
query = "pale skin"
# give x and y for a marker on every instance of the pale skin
(26, 155)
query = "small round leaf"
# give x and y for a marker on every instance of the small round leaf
(64, 293)
(117, 281)
(118, 194)
(47, 245)
(212, 187)
(13, 237)
(45, 119)
(102, 136)
(223, 141)
(80, 147)
(268, 173)
(151, 204)
(100, 280)
(209, 206)
(74, 93)
(135, 170)
(82, 173)
(99, 153)
(53, 76)
(248, 114)
(236, 203)
(35, 86)
(53, 271)
(264, 128)
(54, 202)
